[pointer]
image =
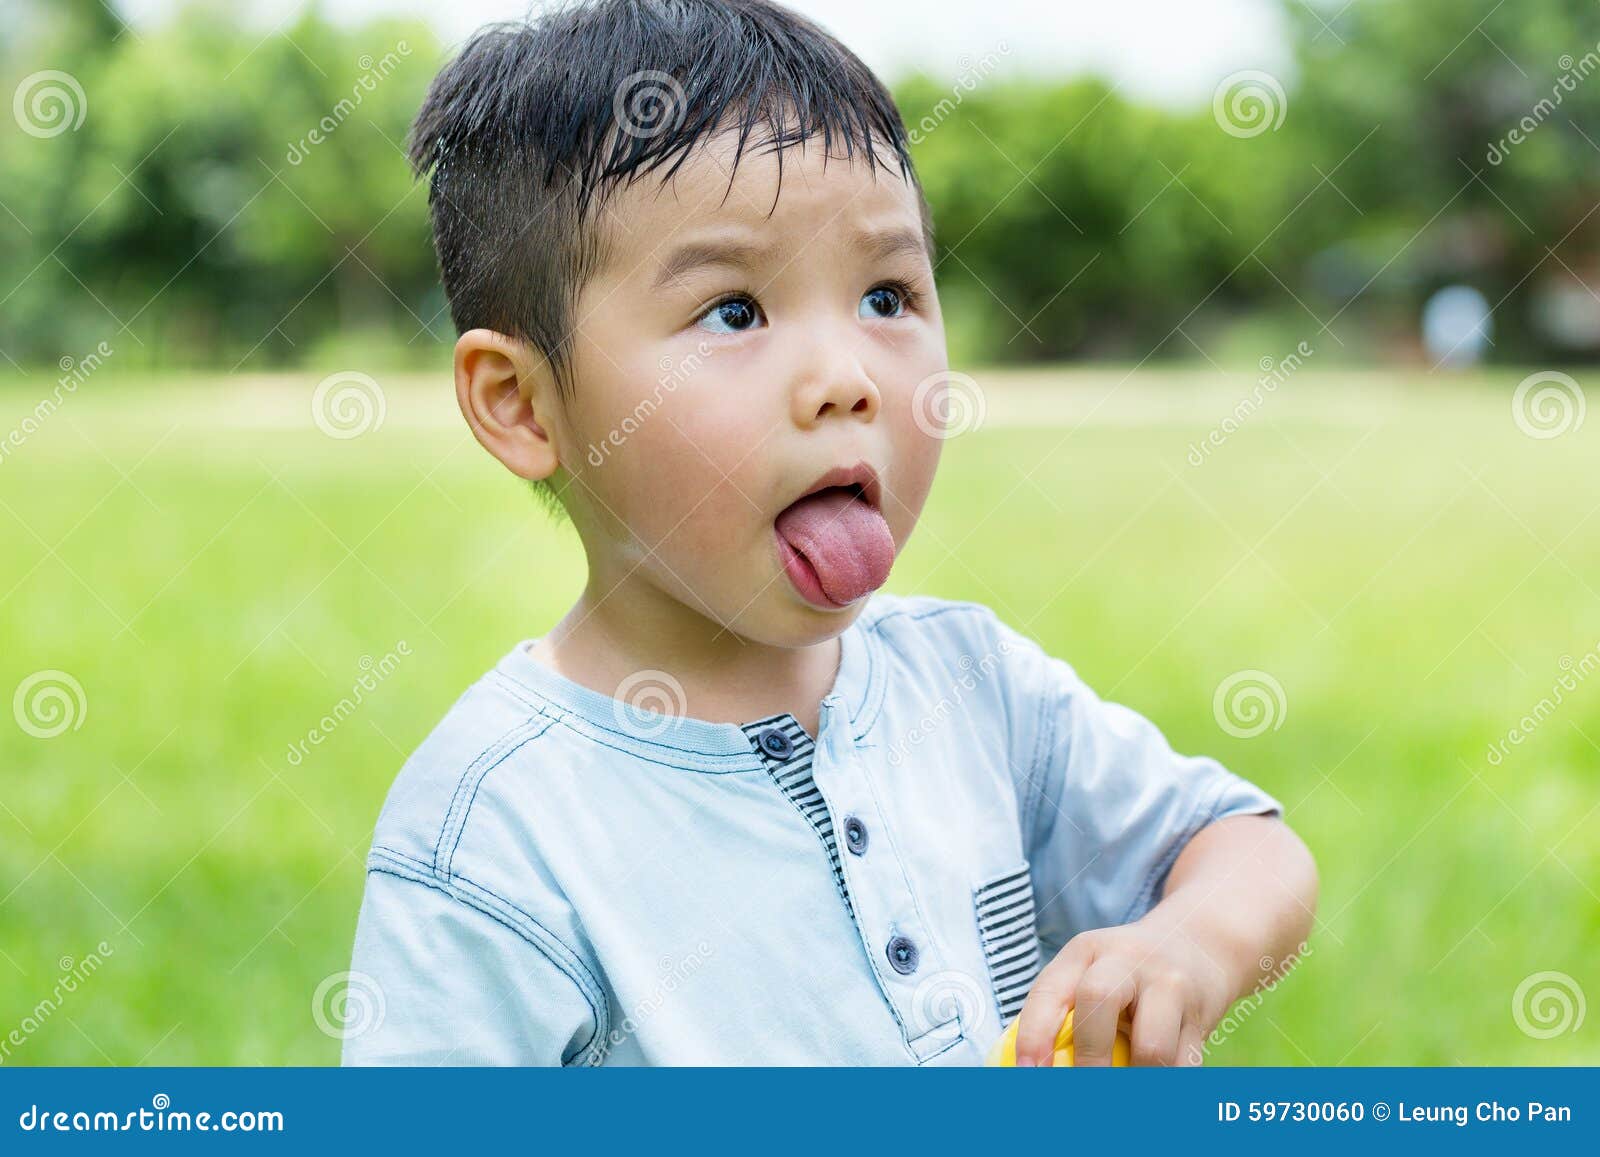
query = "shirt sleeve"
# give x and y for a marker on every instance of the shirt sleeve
(1106, 805)
(435, 980)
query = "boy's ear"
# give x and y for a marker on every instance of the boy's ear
(507, 394)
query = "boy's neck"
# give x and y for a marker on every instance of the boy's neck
(603, 641)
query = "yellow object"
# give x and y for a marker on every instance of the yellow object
(1004, 1052)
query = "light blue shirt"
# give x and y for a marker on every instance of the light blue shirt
(558, 879)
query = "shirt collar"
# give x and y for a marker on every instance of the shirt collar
(656, 732)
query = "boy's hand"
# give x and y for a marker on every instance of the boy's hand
(1151, 971)
(1235, 909)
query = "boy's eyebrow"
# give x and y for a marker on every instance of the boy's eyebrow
(882, 244)
(695, 254)
(877, 244)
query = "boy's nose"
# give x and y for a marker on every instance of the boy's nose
(834, 384)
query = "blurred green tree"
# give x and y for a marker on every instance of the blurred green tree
(231, 195)
(1468, 140)
(200, 192)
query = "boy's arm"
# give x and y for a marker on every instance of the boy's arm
(1235, 910)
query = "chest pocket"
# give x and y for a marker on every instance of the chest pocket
(1004, 908)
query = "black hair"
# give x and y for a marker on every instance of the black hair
(533, 123)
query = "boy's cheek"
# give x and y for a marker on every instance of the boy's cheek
(677, 501)
(638, 426)
(917, 449)
(685, 486)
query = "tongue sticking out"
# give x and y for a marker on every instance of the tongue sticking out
(845, 540)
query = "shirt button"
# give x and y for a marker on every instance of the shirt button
(776, 744)
(855, 835)
(902, 955)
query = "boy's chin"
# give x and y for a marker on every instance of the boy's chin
(793, 622)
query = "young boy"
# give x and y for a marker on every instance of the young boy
(734, 808)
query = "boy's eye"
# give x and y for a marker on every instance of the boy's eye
(884, 301)
(731, 315)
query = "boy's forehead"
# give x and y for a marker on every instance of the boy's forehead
(710, 194)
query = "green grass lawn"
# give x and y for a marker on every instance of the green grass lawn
(214, 572)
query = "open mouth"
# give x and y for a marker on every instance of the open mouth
(833, 540)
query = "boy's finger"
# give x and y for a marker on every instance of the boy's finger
(1157, 1024)
(1191, 1045)
(1105, 989)
(1046, 1007)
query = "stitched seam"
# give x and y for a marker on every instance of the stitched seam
(558, 714)
(900, 862)
(576, 971)
(836, 868)
(1044, 729)
(842, 888)
(1044, 734)
(1202, 815)
(884, 982)
(874, 693)
(455, 815)
(380, 853)
(466, 811)
(961, 1035)
(566, 720)
(872, 957)
(946, 607)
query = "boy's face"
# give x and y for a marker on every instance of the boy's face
(731, 353)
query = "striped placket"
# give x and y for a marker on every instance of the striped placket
(787, 751)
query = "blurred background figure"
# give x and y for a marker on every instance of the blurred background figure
(1456, 325)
